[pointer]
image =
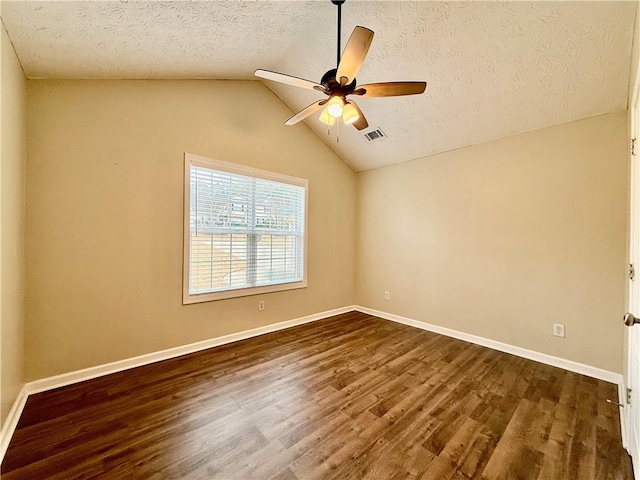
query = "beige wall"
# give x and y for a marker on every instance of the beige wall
(635, 52)
(499, 240)
(12, 178)
(503, 239)
(104, 225)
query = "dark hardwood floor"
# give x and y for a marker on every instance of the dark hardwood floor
(352, 396)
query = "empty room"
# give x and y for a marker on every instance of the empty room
(319, 239)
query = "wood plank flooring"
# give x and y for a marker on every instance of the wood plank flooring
(352, 396)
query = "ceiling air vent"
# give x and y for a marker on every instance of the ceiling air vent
(374, 135)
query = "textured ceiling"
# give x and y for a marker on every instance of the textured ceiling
(493, 69)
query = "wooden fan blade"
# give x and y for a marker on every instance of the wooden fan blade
(361, 123)
(289, 80)
(305, 112)
(391, 89)
(354, 54)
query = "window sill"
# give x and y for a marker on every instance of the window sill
(188, 299)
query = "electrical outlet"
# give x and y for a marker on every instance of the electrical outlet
(558, 330)
(386, 295)
(260, 305)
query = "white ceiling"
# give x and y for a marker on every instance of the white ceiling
(493, 69)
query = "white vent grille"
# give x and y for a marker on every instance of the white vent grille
(376, 134)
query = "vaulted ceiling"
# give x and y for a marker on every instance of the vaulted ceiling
(493, 69)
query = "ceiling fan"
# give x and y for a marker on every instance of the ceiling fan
(340, 82)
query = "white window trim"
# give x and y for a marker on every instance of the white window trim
(197, 160)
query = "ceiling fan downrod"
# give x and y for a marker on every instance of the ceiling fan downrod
(339, 3)
(329, 80)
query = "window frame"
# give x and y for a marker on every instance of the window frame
(205, 162)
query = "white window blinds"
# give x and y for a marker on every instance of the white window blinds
(246, 230)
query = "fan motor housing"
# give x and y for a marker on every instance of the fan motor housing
(333, 86)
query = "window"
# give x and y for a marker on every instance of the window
(244, 231)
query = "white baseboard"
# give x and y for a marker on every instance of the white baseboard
(570, 365)
(11, 422)
(77, 376)
(588, 370)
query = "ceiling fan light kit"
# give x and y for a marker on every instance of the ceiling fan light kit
(340, 82)
(335, 106)
(350, 114)
(326, 118)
